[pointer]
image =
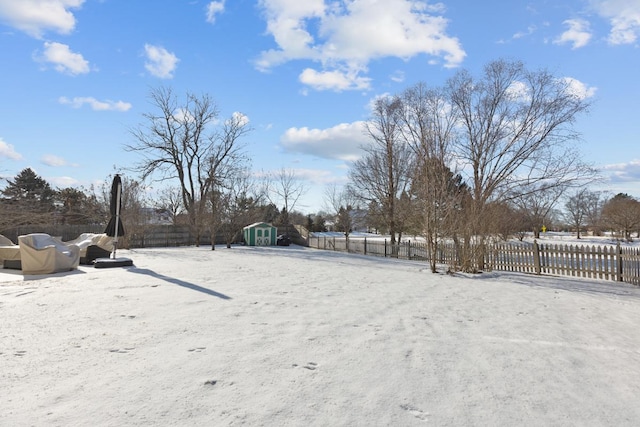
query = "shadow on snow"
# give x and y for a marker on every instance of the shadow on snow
(179, 282)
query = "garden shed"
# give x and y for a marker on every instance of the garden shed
(260, 234)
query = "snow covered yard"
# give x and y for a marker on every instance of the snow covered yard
(292, 336)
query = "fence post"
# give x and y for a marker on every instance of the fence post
(409, 249)
(536, 257)
(385, 248)
(365, 245)
(619, 263)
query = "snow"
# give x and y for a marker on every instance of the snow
(550, 237)
(291, 336)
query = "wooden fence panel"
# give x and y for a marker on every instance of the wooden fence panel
(511, 257)
(630, 265)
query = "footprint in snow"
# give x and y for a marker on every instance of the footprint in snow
(121, 350)
(421, 415)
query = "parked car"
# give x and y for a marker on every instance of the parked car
(283, 240)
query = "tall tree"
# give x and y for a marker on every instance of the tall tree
(340, 202)
(284, 188)
(78, 206)
(238, 204)
(383, 174)
(595, 205)
(27, 199)
(516, 128)
(622, 214)
(578, 207)
(185, 141)
(30, 188)
(429, 125)
(535, 204)
(170, 199)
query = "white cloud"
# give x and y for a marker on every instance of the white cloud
(214, 8)
(397, 76)
(63, 59)
(34, 17)
(578, 34)
(623, 172)
(348, 35)
(240, 118)
(160, 62)
(520, 91)
(578, 88)
(63, 181)
(521, 34)
(334, 80)
(53, 160)
(7, 151)
(624, 17)
(108, 105)
(341, 142)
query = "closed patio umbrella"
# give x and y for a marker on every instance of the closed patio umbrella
(114, 228)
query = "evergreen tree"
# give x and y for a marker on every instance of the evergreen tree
(30, 189)
(27, 199)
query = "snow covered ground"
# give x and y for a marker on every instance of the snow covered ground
(291, 336)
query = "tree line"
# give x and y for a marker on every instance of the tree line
(28, 200)
(478, 158)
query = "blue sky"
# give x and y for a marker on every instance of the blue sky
(75, 74)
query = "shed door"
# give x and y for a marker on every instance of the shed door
(266, 237)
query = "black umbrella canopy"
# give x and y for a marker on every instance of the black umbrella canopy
(114, 208)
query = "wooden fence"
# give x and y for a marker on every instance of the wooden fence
(146, 236)
(139, 237)
(596, 262)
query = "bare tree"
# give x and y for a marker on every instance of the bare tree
(578, 207)
(238, 205)
(535, 204)
(182, 142)
(429, 129)
(79, 206)
(383, 174)
(284, 188)
(507, 221)
(622, 214)
(595, 206)
(516, 126)
(340, 203)
(170, 199)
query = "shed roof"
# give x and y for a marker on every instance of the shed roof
(259, 225)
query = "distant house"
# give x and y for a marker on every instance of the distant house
(157, 216)
(260, 234)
